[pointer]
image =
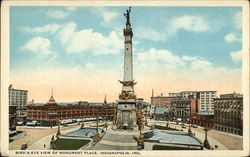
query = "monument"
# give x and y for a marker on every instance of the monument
(126, 110)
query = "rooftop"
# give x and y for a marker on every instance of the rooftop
(160, 110)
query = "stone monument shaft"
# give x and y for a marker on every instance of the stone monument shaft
(126, 115)
(128, 58)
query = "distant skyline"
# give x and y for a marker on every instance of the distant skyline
(78, 51)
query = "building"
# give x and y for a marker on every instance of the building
(163, 101)
(204, 119)
(207, 101)
(18, 98)
(206, 98)
(162, 113)
(48, 114)
(184, 108)
(228, 113)
(12, 118)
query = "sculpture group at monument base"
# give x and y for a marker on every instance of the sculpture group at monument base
(126, 115)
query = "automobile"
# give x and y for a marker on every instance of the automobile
(24, 146)
(32, 123)
(183, 126)
(194, 126)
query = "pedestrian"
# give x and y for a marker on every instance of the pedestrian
(44, 145)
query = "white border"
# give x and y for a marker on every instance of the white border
(245, 76)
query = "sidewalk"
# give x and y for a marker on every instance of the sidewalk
(39, 145)
(211, 140)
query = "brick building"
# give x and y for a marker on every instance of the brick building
(163, 101)
(49, 113)
(181, 109)
(204, 119)
(228, 113)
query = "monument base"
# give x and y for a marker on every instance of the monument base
(119, 139)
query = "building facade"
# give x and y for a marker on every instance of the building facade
(206, 98)
(207, 101)
(163, 113)
(183, 109)
(12, 118)
(204, 119)
(163, 101)
(18, 98)
(228, 113)
(49, 113)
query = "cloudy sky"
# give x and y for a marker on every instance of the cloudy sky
(78, 51)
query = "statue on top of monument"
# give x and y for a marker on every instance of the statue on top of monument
(127, 17)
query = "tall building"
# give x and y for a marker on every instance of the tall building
(126, 114)
(228, 113)
(207, 101)
(18, 98)
(206, 98)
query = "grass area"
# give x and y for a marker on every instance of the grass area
(70, 144)
(164, 128)
(160, 147)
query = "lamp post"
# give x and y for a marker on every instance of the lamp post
(58, 129)
(97, 135)
(115, 116)
(206, 143)
(141, 136)
(82, 124)
(189, 120)
(106, 125)
(146, 122)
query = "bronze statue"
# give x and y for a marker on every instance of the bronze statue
(127, 17)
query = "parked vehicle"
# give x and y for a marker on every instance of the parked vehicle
(24, 146)
(32, 123)
(194, 126)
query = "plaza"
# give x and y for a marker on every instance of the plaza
(38, 136)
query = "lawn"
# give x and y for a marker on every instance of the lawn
(70, 144)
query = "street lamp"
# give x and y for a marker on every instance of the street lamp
(146, 122)
(58, 129)
(141, 136)
(206, 143)
(82, 123)
(189, 120)
(97, 135)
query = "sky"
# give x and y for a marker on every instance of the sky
(78, 51)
